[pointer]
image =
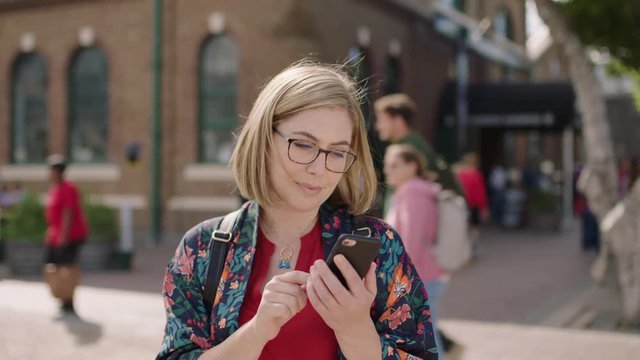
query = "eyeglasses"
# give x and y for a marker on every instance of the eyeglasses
(305, 152)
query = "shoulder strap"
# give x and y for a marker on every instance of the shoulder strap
(219, 247)
(217, 255)
(360, 226)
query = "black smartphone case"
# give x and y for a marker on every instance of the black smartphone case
(360, 255)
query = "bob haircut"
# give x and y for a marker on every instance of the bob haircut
(409, 154)
(303, 86)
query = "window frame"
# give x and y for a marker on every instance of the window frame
(39, 64)
(504, 13)
(226, 122)
(73, 101)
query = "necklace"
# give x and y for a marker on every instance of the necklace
(286, 253)
(285, 258)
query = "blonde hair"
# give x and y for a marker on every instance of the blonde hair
(303, 86)
(410, 154)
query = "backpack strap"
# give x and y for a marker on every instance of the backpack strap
(360, 226)
(220, 246)
(218, 253)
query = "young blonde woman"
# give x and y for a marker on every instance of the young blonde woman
(414, 214)
(303, 160)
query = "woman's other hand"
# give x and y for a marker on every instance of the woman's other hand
(282, 298)
(343, 309)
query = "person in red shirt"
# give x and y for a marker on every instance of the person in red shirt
(66, 232)
(475, 192)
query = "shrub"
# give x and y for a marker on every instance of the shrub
(102, 221)
(26, 221)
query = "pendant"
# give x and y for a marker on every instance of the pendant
(285, 258)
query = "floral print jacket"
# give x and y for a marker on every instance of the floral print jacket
(400, 311)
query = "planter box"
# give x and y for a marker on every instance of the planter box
(96, 255)
(27, 258)
(122, 260)
(3, 250)
(3, 241)
(545, 222)
(24, 257)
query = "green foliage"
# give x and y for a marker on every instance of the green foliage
(26, 222)
(610, 24)
(617, 68)
(541, 202)
(102, 221)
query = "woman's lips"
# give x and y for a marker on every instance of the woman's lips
(309, 188)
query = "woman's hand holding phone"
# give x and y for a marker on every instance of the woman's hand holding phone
(282, 298)
(342, 308)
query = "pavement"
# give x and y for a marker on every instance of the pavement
(526, 296)
(531, 278)
(500, 341)
(112, 324)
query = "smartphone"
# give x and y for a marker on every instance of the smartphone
(359, 250)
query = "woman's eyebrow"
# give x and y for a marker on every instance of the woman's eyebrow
(310, 136)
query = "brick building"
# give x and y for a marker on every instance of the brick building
(76, 77)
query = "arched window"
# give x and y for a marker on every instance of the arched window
(502, 23)
(218, 93)
(392, 75)
(29, 110)
(360, 65)
(358, 60)
(457, 4)
(88, 106)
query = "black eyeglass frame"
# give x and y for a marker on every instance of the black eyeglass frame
(290, 140)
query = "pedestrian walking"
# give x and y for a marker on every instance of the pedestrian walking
(395, 118)
(590, 234)
(66, 233)
(303, 161)
(414, 214)
(497, 189)
(475, 193)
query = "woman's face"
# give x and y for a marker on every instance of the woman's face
(304, 187)
(396, 170)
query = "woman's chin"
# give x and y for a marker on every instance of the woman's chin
(306, 204)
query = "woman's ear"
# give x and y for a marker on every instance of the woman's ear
(415, 168)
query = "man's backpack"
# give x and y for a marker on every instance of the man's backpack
(453, 247)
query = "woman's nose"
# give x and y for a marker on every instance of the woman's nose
(317, 166)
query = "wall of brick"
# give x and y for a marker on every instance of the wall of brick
(269, 35)
(122, 30)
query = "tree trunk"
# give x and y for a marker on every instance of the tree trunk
(600, 181)
(599, 178)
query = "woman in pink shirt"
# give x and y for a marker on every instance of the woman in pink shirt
(414, 214)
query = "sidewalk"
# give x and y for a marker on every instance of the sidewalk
(530, 278)
(113, 324)
(492, 341)
(118, 324)
(527, 296)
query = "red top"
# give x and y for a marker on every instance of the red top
(305, 336)
(474, 188)
(61, 197)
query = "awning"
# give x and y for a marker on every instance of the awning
(540, 106)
